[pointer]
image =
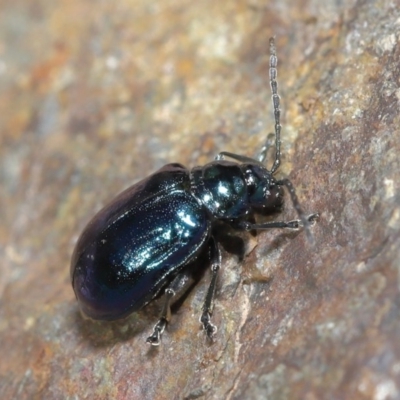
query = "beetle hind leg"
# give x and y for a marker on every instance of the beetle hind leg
(173, 292)
(208, 305)
(155, 338)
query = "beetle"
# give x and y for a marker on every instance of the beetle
(148, 238)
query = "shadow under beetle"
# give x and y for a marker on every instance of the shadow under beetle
(149, 236)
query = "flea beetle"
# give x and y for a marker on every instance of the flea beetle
(148, 238)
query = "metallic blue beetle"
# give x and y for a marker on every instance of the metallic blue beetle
(150, 235)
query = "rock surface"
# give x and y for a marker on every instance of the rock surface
(96, 95)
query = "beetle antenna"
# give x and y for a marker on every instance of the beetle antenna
(273, 72)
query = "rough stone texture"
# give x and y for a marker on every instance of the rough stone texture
(95, 95)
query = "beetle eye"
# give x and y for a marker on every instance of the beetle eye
(264, 195)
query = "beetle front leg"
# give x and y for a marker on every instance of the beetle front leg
(208, 305)
(304, 221)
(294, 224)
(173, 292)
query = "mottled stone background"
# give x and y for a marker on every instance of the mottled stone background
(95, 95)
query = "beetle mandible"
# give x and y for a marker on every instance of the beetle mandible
(149, 236)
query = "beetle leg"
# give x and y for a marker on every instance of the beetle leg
(294, 224)
(173, 292)
(208, 305)
(296, 204)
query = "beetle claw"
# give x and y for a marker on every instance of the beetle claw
(155, 338)
(211, 330)
(208, 327)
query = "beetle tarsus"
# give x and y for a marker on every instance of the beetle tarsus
(208, 327)
(313, 218)
(155, 338)
(299, 223)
